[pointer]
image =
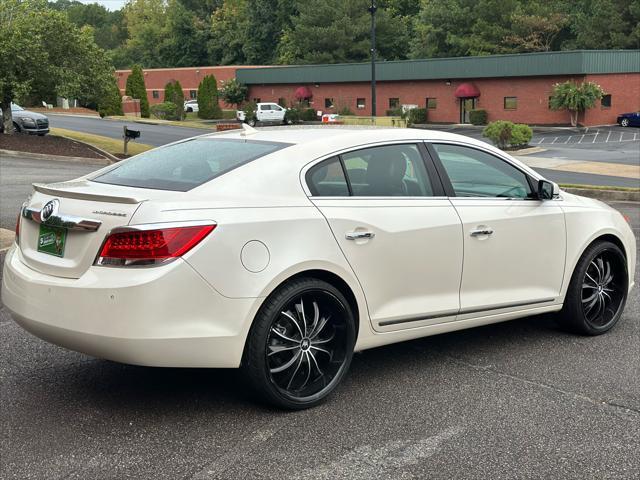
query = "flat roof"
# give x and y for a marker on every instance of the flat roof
(574, 62)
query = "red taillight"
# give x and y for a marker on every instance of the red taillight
(149, 247)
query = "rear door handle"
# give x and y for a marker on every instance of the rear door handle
(358, 235)
(481, 231)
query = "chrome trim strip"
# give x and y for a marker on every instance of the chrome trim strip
(463, 312)
(70, 222)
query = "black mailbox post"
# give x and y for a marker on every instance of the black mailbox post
(128, 136)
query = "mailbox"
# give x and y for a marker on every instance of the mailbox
(131, 133)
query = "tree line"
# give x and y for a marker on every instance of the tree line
(178, 33)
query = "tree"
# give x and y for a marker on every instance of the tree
(575, 98)
(535, 33)
(335, 31)
(111, 101)
(185, 37)
(208, 106)
(42, 51)
(228, 33)
(601, 24)
(173, 93)
(136, 88)
(234, 92)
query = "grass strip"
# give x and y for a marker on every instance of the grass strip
(112, 145)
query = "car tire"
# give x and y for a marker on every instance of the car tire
(252, 122)
(300, 345)
(16, 128)
(598, 290)
(624, 122)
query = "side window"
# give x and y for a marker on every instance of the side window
(327, 179)
(474, 173)
(386, 171)
(265, 107)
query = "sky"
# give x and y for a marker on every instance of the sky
(109, 4)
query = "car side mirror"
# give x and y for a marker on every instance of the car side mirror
(547, 190)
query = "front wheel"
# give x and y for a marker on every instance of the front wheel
(598, 290)
(624, 122)
(301, 344)
(252, 122)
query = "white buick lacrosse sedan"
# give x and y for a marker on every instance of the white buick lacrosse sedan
(284, 251)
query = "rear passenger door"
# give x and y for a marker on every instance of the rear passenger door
(386, 208)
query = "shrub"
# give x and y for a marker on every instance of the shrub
(234, 92)
(249, 110)
(478, 117)
(520, 135)
(208, 106)
(164, 110)
(394, 112)
(137, 89)
(111, 102)
(346, 111)
(292, 115)
(416, 116)
(504, 133)
(173, 93)
(575, 98)
(308, 115)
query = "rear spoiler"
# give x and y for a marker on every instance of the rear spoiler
(79, 190)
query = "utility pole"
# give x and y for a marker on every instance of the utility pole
(372, 10)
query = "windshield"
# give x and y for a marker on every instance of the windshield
(186, 165)
(16, 108)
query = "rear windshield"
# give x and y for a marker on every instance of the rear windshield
(186, 165)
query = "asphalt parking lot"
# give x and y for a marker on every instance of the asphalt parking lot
(517, 400)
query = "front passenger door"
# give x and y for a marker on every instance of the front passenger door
(514, 243)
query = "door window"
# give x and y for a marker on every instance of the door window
(390, 170)
(474, 173)
(265, 107)
(327, 179)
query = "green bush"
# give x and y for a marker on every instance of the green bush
(173, 93)
(208, 106)
(164, 110)
(292, 115)
(308, 115)
(346, 111)
(520, 135)
(234, 92)
(137, 89)
(394, 112)
(111, 102)
(504, 133)
(416, 116)
(249, 110)
(478, 117)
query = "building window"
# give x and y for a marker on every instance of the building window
(282, 102)
(328, 103)
(605, 101)
(549, 103)
(394, 103)
(361, 103)
(432, 103)
(155, 94)
(510, 103)
(256, 100)
(193, 94)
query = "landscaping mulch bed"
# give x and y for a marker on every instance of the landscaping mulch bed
(49, 144)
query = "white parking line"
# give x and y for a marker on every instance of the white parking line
(554, 140)
(594, 138)
(608, 137)
(581, 138)
(621, 136)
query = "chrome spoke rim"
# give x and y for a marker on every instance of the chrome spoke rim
(307, 344)
(602, 297)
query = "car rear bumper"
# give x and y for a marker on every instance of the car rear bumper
(164, 316)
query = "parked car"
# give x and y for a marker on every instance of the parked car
(265, 112)
(629, 119)
(191, 106)
(283, 252)
(25, 121)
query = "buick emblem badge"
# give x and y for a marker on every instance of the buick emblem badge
(50, 208)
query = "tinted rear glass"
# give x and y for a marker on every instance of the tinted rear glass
(186, 165)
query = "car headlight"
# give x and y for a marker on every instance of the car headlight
(27, 121)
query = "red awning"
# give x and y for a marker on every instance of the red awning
(303, 93)
(467, 90)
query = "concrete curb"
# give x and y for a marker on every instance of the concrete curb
(55, 158)
(605, 195)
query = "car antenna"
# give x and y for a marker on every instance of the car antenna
(247, 130)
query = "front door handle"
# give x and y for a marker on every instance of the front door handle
(481, 231)
(358, 235)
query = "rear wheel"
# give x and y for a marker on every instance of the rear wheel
(252, 122)
(598, 290)
(301, 344)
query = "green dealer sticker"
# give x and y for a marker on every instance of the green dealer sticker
(51, 240)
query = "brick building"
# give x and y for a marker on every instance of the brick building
(509, 87)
